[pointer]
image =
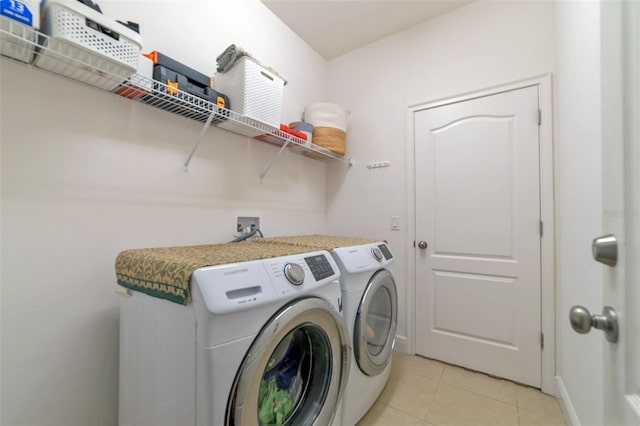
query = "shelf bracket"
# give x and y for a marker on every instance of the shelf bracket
(207, 124)
(282, 148)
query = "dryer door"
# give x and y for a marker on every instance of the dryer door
(375, 327)
(295, 370)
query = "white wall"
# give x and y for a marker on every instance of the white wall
(475, 47)
(579, 203)
(86, 174)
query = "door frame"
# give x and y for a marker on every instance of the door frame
(547, 212)
(620, 130)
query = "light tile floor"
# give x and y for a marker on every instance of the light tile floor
(424, 392)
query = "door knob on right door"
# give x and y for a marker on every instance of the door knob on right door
(605, 249)
(422, 245)
(582, 321)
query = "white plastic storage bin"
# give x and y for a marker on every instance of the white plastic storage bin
(19, 21)
(86, 45)
(253, 91)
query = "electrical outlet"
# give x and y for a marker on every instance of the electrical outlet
(246, 224)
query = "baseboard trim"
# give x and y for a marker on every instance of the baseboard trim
(568, 411)
(402, 345)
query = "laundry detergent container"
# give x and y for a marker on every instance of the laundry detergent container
(329, 125)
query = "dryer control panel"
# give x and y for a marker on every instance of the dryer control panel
(364, 258)
(385, 251)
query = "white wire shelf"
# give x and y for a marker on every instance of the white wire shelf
(23, 44)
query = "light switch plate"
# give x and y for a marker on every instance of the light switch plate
(395, 223)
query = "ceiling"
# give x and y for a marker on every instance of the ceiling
(335, 27)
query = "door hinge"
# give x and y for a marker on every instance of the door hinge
(541, 228)
(539, 117)
(541, 340)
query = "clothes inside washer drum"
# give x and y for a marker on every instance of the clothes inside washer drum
(317, 241)
(166, 272)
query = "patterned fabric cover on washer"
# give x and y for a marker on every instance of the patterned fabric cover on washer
(318, 242)
(166, 272)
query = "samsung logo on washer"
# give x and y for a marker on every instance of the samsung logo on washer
(236, 271)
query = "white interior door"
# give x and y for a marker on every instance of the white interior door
(478, 283)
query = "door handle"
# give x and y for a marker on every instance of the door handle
(582, 321)
(605, 249)
(422, 245)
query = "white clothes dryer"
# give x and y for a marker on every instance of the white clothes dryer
(370, 312)
(261, 343)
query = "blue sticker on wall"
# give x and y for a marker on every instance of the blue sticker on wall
(17, 10)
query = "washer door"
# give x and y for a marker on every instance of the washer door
(295, 370)
(376, 321)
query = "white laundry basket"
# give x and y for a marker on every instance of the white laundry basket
(253, 90)
(86, 45)
(329, 125)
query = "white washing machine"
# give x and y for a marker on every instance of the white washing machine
(261, 343)
(370, 312)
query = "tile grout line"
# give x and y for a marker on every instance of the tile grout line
(433, 397)
(515, 404)
(437, 380)
(484, 395)
(389, 404)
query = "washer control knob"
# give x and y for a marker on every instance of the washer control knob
(294, 273)
(377, 254)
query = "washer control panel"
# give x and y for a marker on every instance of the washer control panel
(319, 266)
(243, 285)
(294, 273)
(300, 273)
